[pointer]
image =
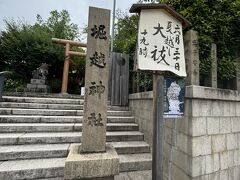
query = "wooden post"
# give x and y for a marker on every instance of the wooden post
(149, 19)
(119, 79)
(158, 127)
(214, 66)
(145, 82)
(138, 82)
(65, 70)
(134, 72)
(133, 82)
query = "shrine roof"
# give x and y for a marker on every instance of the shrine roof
(136, 8)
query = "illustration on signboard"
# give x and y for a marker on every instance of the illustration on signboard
(174, 97)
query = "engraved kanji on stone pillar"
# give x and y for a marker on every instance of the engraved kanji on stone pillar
(96, 82)
(238, 73)
(214, 66)
(192, 57)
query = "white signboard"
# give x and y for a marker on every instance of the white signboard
(160, 42)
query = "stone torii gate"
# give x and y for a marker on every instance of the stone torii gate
(68, 44)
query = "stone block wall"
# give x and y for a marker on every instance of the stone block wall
(141, 105)
(205, 144)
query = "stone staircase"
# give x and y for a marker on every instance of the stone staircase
(36, 132)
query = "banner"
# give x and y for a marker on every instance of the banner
(160, 42)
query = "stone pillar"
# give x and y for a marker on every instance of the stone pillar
(65, 69)
(94, 159)
(192, 57)
(214, 66)
(238, 74)
(96, 82)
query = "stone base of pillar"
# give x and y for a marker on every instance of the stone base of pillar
(91, 166)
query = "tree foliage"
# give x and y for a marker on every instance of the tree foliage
(126, 38)
(59, 25)
(217, 21)
(126, 33)
(24, 47)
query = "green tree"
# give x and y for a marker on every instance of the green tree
(24, 47)
(59, 25)
(217, 21)
(126, 38)
(126, 33)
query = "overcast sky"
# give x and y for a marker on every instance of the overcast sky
(78, 9)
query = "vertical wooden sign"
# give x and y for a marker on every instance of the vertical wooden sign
(160, 49)
(160, 42)
(96, 81)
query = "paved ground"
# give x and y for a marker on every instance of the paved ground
(138, 175)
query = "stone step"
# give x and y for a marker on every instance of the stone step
(54, 167)
(52, 106)
(43, 95)
(32, 168)
(35, 151)
(132, 175)
(131, 147)
(55, 112)
(63, 137)
(40, 106)
(58, 119)
(42, 100)
(118, 108)
(45, 112)
(60, 127)
(135, 162)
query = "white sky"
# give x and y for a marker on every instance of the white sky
(78, 9)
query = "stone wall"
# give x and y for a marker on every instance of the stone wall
(205, 144)
(141, 105)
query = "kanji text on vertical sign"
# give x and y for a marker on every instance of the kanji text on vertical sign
(160, 42)
(96, 81)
